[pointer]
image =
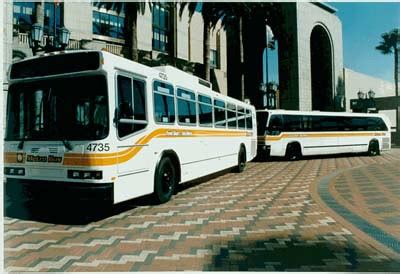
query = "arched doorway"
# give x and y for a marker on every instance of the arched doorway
(321, 69)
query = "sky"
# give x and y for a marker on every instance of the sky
(362, 26)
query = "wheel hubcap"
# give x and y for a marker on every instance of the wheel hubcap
(167, 180)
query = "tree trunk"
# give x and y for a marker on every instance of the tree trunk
(396, 86)
(206, 50)
(241, 59)
(396, 71)
(134, 48)
(131, 50)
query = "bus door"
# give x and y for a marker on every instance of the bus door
(131, 122)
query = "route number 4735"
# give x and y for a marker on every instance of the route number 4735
(98, 147)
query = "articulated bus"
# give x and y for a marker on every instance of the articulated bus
(94, 125)
(296, 133)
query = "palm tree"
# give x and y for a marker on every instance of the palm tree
(391, 44)
(210, 19)
(132, 9)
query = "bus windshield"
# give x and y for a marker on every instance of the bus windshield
(73, 108)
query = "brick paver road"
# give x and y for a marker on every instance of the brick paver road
(269, 217)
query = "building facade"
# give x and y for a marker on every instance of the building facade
(310, 51)
(163, 36)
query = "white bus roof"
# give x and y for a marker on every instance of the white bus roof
(162, 73)
(316, 112)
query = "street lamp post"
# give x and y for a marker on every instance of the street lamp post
(365, 102)
(53, 43)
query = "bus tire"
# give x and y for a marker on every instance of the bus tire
(165, 180)
(373, 148)
(293, 152)
(241, 160)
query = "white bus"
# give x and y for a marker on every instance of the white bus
(296, 133)
(95, 125)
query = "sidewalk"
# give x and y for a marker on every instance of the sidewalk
(368, 197)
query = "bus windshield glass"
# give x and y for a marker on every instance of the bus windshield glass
(73, 108)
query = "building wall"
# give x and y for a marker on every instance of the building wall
(7, 51)
(308, 16)
(144, 30)
(196, 38)
(356, 81)
(182, 35)
(78, 19)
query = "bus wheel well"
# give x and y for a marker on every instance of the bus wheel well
(175, 160)
(242, 158)
(373, 147)
(293, 151)
(242, 146)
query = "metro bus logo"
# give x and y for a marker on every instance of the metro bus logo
(43, 159)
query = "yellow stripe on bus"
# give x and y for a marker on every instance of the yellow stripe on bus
(317, 135)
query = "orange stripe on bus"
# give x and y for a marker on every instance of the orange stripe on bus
(125, 155)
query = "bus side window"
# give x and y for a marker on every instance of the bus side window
(131, 105)
(186, 107)
(359, 123)
(164, 103)
(375, 123)
(232, 116)
(241, 118)
(205, 111)
(219, 113)
(275, 125)
(249, 119)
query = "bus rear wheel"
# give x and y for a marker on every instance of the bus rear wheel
(373, 148)
(241, 160)
(164, 181)
(293, 152)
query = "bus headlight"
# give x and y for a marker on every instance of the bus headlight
(85, 174)
(18, 171)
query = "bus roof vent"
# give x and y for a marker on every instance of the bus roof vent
(204, 83)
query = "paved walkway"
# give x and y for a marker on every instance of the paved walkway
(267, 218)
(369, 198)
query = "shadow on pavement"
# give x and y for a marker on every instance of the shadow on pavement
(293, 254)
(313, 157)
(62, 212)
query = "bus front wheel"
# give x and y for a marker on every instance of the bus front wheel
(373, 148)
(241, 160)
(293, 152)
(164, 181)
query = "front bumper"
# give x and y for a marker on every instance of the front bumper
(41, 190)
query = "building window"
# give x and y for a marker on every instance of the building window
(52, 18)
(214, 60)
(108, 24)
(24, 16)
(161, 27)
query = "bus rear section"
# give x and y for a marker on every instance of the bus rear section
(293, 134)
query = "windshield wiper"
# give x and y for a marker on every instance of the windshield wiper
(21, 143)
(67, 144)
